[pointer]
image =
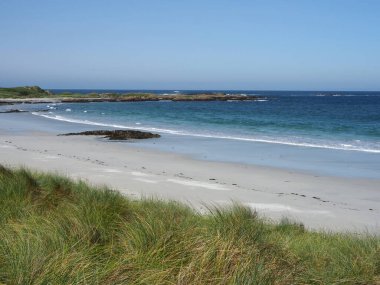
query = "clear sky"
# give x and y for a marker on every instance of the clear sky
(191, 44)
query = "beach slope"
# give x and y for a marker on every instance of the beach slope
(318, 201)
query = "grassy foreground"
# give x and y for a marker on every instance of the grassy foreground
(56, 231)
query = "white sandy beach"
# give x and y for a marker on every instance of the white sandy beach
(320, 202)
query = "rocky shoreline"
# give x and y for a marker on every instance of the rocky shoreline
(35, 94)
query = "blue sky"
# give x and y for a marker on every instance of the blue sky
(168, 44)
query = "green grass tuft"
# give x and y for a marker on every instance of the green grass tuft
(56, 231)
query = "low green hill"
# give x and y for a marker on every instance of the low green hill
(24, 92)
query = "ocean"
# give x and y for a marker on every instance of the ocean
(306, 126)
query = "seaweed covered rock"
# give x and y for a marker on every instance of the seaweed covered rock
(13, 111)
(117, 134)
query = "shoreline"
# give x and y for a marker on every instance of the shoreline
(321, 159)
(304, 158)
(318, 201)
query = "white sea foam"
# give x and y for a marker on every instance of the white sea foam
(343, 95)
(184, 133)
(346, 145)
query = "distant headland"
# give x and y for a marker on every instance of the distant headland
(35, 94)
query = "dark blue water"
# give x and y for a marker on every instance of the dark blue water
(333, 120)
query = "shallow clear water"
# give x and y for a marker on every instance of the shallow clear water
(347, 121)
(326, 133)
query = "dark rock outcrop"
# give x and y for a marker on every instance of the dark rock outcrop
(13, 111)
(117, 134)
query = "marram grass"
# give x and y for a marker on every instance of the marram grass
(56, 231)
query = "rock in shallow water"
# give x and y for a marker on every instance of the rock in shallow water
(14, 111)
(117, 134)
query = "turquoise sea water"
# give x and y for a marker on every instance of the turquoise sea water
(348, 121)
(306, 127)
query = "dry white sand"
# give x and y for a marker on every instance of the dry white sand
(320, 202)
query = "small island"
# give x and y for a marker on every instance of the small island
(35, 94)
